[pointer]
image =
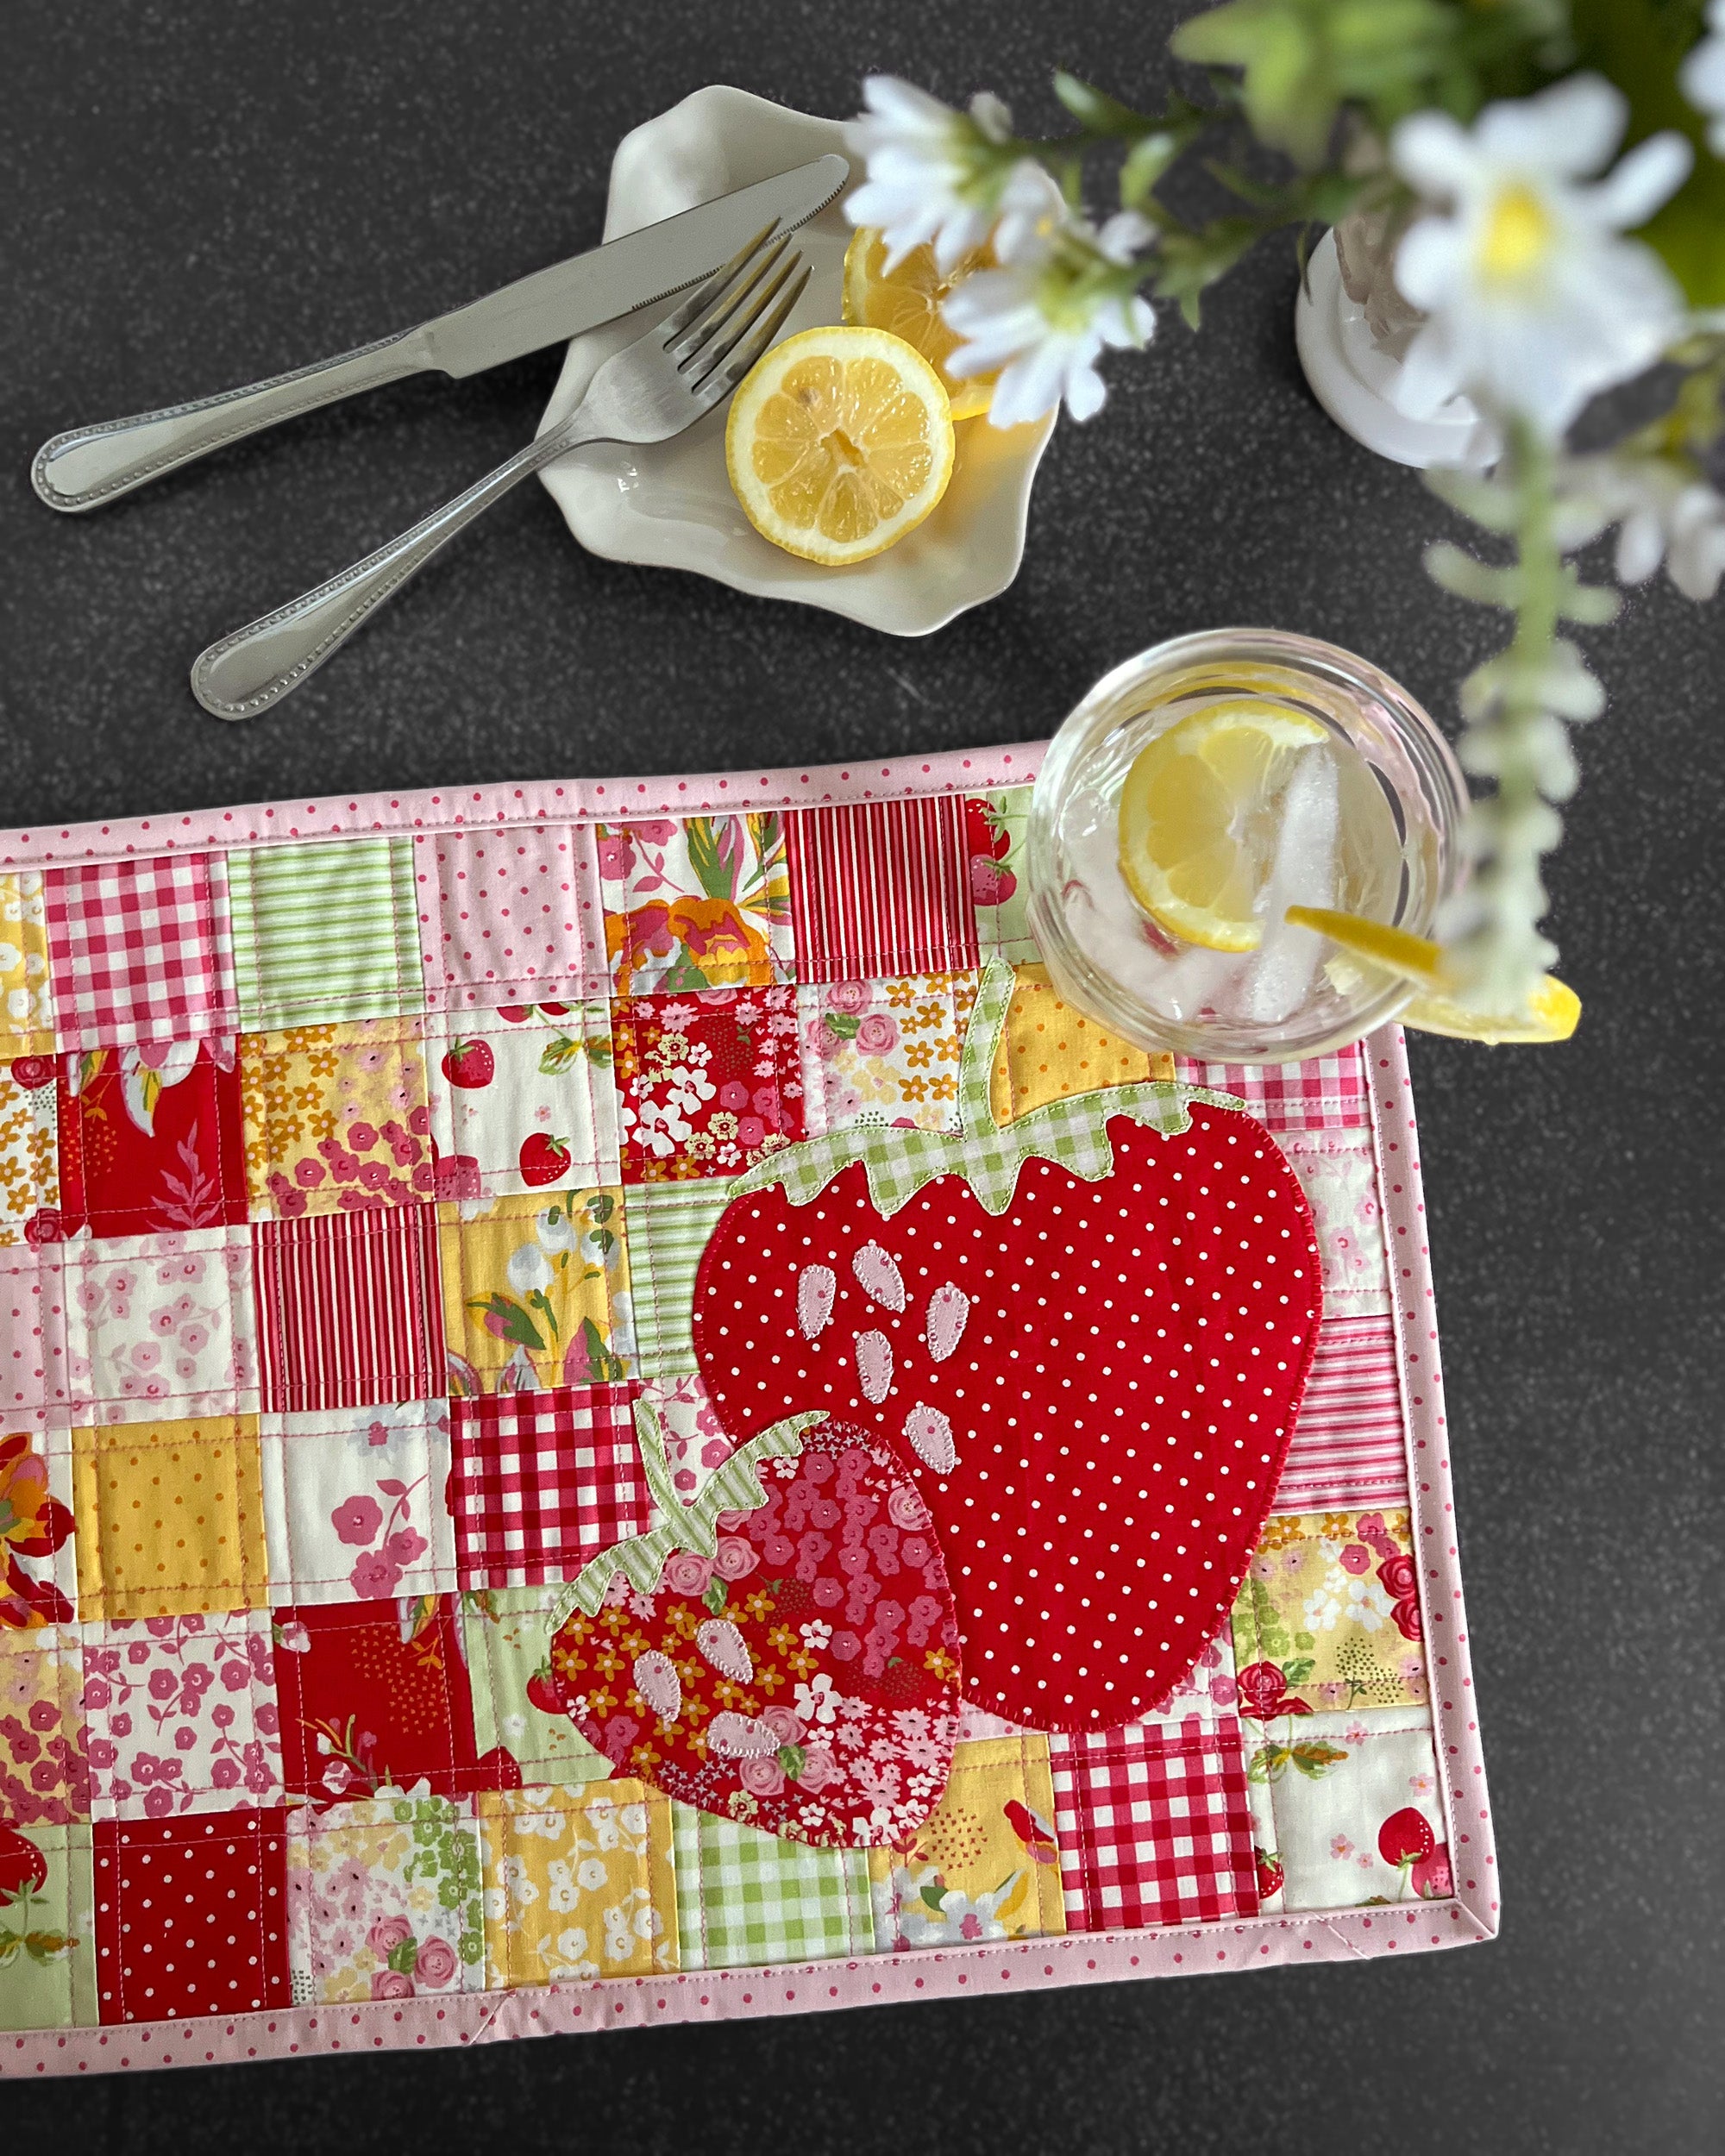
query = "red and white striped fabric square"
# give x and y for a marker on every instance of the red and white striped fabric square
(141, 950)
(882, 888)
(1349, 1447)
(349, 1309)
(542, 1482)
(1325, 1093)
(1154, 1826)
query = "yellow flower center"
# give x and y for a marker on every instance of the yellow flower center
(1518, 231)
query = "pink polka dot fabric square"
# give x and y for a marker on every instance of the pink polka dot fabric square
(510, 916)
(33, 1368)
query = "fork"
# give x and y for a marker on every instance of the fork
(682, 369)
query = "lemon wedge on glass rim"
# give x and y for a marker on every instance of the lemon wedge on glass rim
(1198, 819)
(1553, 1009)
(839, 442)
(906, 300)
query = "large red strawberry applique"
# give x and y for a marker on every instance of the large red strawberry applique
(1086, 1332)
(784, 1652)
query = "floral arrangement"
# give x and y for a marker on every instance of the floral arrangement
(1469, 147)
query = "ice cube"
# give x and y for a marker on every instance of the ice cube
(1303, 873)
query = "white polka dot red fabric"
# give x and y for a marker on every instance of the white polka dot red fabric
(1094, 1390)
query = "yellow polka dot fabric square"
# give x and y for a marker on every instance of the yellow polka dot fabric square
(1049, 1052)
(170, 1518)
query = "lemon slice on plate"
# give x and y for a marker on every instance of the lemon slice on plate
(907, 299)
(839, 443)
(1198, 817)
(1552, 1012)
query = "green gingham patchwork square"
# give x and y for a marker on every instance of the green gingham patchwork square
(745, 1898)
(324, 934)
(669, 1225)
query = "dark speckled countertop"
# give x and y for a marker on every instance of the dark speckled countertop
(197, 195)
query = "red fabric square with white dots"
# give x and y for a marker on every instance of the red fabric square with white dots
(190, 1915)
(510, 916)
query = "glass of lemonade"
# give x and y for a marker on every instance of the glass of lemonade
(1358, 812)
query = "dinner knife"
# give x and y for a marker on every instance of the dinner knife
(88, 466)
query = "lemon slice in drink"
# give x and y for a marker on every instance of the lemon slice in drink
(839, 443)
(1198, 814)
(1553, 1009)
(906, 300)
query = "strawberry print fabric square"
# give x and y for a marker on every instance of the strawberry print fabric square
(140, 949)
(884, 1052)
(1328, 1616)
(544, 1481)
(337, 1118)
(169, 1518)
(151, 1139)
(882, 888)
(537, 1294)
(1154, 1826)
(325, 934)
(707, 1083)
(191, 1916)
(996, 827)
(1350, 1448)
(38, 1558)
(182, 1716)
(1327, 1092)
(161, 1325)
(26, 1011)
(33, 1331)
(695, 902)
(509, 917)
(349, 1309)
(30, 1152)
(383, 1900)
(374, 1696)
(355, 1503)
(44, 1742)
(47, 1976)
(524, 1098)
(1347, 1810)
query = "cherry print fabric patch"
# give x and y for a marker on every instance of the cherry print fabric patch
(606, 1394)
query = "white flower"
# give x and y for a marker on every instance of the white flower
(965, 1917)
(530, 1270)
(1703, 77)
(1041, 323)
(555, 1230)
(1534, 301)
(935, 175)
(1663, 513)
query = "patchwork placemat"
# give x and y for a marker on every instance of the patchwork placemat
(406, 1202)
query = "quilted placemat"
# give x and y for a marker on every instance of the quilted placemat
(611, 1414)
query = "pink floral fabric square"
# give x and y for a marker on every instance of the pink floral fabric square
(44, 1758)
(383, 1900)
(183, 1716)
(161, 1325)
(508, 917)
(356, 1504)
(707, 1083)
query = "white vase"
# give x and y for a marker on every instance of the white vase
(1354, 371)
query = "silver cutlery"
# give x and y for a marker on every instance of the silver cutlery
(684, 367)
(86, 467)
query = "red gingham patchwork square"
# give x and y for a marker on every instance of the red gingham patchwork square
(1154, 1826)
(882, 888)
(141, 950)
(542, 1482)
(1325, 1093)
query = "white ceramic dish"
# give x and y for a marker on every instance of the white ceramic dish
(670, 504)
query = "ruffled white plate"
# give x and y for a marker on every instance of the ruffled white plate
(670, 503)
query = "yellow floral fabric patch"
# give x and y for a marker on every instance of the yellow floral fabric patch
(984, 1864)
(577, 1883)
(336, 1117)
(30, 1152)
(536, 1293)
(170, 1518)
(1328, 1616)
(1049, 1052)
(27, 1026)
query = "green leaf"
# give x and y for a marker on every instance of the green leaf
(842, 1024)
(559, 1056)
(934, 1892)
(1094, 109)
(716, 875)
(11, 1946)
(1297, 1672)
(716, 1596)
(603, 1367)
(517, 1327)
(600, 1208)
(598, 1050)
(792, 1759)
(1314, 1759)
(682, 976)
(403, 1957)
(1268, 1764)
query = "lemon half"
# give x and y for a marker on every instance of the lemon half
(1198, 819)
(907, 299)
(1554, 1010)
(839, 443)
